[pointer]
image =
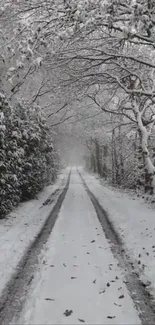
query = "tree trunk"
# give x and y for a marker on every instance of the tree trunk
(92, 163)
(149, 167)
(98, 165)
(121, 167)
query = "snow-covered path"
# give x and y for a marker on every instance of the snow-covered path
(78, 279)
(22, 225)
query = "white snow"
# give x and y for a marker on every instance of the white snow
(68, 253)
(20, 228)
(134, 220)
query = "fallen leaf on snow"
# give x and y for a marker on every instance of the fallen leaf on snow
(68, 312)
(32, 277)
(117, 305)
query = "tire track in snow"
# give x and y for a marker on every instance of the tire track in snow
(14, 295)
(142, 299)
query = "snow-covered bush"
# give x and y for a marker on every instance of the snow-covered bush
(27, 158)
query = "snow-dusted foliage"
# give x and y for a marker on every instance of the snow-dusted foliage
(116, 158)
(98, 49)
(27, 158)
(113, 59)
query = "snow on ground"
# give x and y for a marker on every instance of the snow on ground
(134, 220)
(20, 228)
(78, 279)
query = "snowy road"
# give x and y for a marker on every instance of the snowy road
(78, 279)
